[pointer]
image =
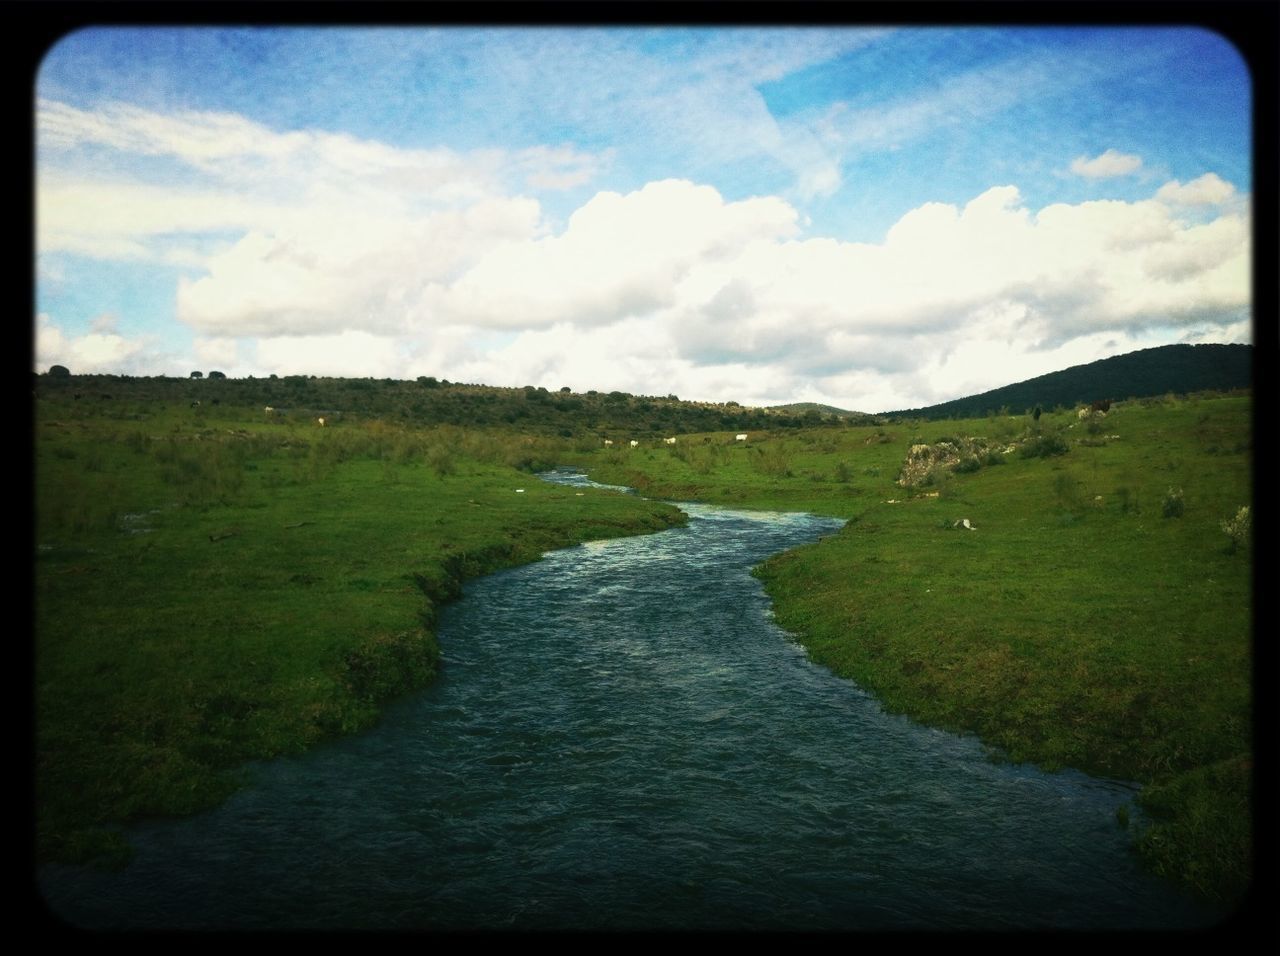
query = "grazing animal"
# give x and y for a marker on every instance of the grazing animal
(1101, 406)
(269, 410)
(740, 438)
(196, 403)
(634, 443)
(608, 441)
(669, 441)
(321, 422)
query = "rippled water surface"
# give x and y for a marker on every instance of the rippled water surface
(622, 739)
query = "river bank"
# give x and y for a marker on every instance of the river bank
(622, 739)
(226, 588)
(1093, 615)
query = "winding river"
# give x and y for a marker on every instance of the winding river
(622, 739)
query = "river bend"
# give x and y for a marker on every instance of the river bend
(622, 739)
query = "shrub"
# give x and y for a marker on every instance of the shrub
(1043, 446)
(1173, 506)
(1237, 529)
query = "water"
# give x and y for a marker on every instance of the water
(622, 739)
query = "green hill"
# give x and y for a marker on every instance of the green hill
(821, 411)
(1180, 369)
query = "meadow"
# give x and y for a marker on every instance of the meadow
(1095, 614)
(217, 584)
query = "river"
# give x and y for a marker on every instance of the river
(622, 739)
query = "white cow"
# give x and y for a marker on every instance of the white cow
(269, 410)
(740, 438)
(608, 441)
(669, 441)
(321, 421)
(634, 443)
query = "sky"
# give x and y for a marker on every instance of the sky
(871, 218)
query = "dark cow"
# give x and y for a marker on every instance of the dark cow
(1102, 406)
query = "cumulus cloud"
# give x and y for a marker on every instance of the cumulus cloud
(349, 353)
(671, 288)
(619, 256)
(385, 262)
(1208, 190)
(1107, 165)
(100, 350)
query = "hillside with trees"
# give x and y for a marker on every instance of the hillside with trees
(429, 402)
(1180, 369)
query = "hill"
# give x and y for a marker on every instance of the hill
(821, 411)
(429, 402)
(1180, 369)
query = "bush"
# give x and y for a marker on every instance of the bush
(1044, 446)
(1237, 529)
(1173, 506)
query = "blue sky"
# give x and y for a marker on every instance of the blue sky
(874, 218)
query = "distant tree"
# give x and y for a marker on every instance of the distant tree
(197, 374)
(217, 375)
(59, 371)
(566, 389)
(428, 381)
(1036, 413)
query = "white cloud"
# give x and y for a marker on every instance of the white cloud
(101, 350)
(220, 354)
(350, 353)
(371, 260)
(619, 256)
(1107, 165)
(1208, 190)
(672, 289)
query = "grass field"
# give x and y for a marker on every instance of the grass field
(218, 585)
(1097, 615)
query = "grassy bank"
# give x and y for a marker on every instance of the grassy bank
(218, 584)
(1097, 616)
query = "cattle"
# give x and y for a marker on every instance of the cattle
(1101, 406)
(320, 422)
(196, 403)
(669, 441)
(608, 441)
(269, 410)
(740, 438)
(634, 443)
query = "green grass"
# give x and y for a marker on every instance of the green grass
(214, 585)
(216, 588)
(1077, 626)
